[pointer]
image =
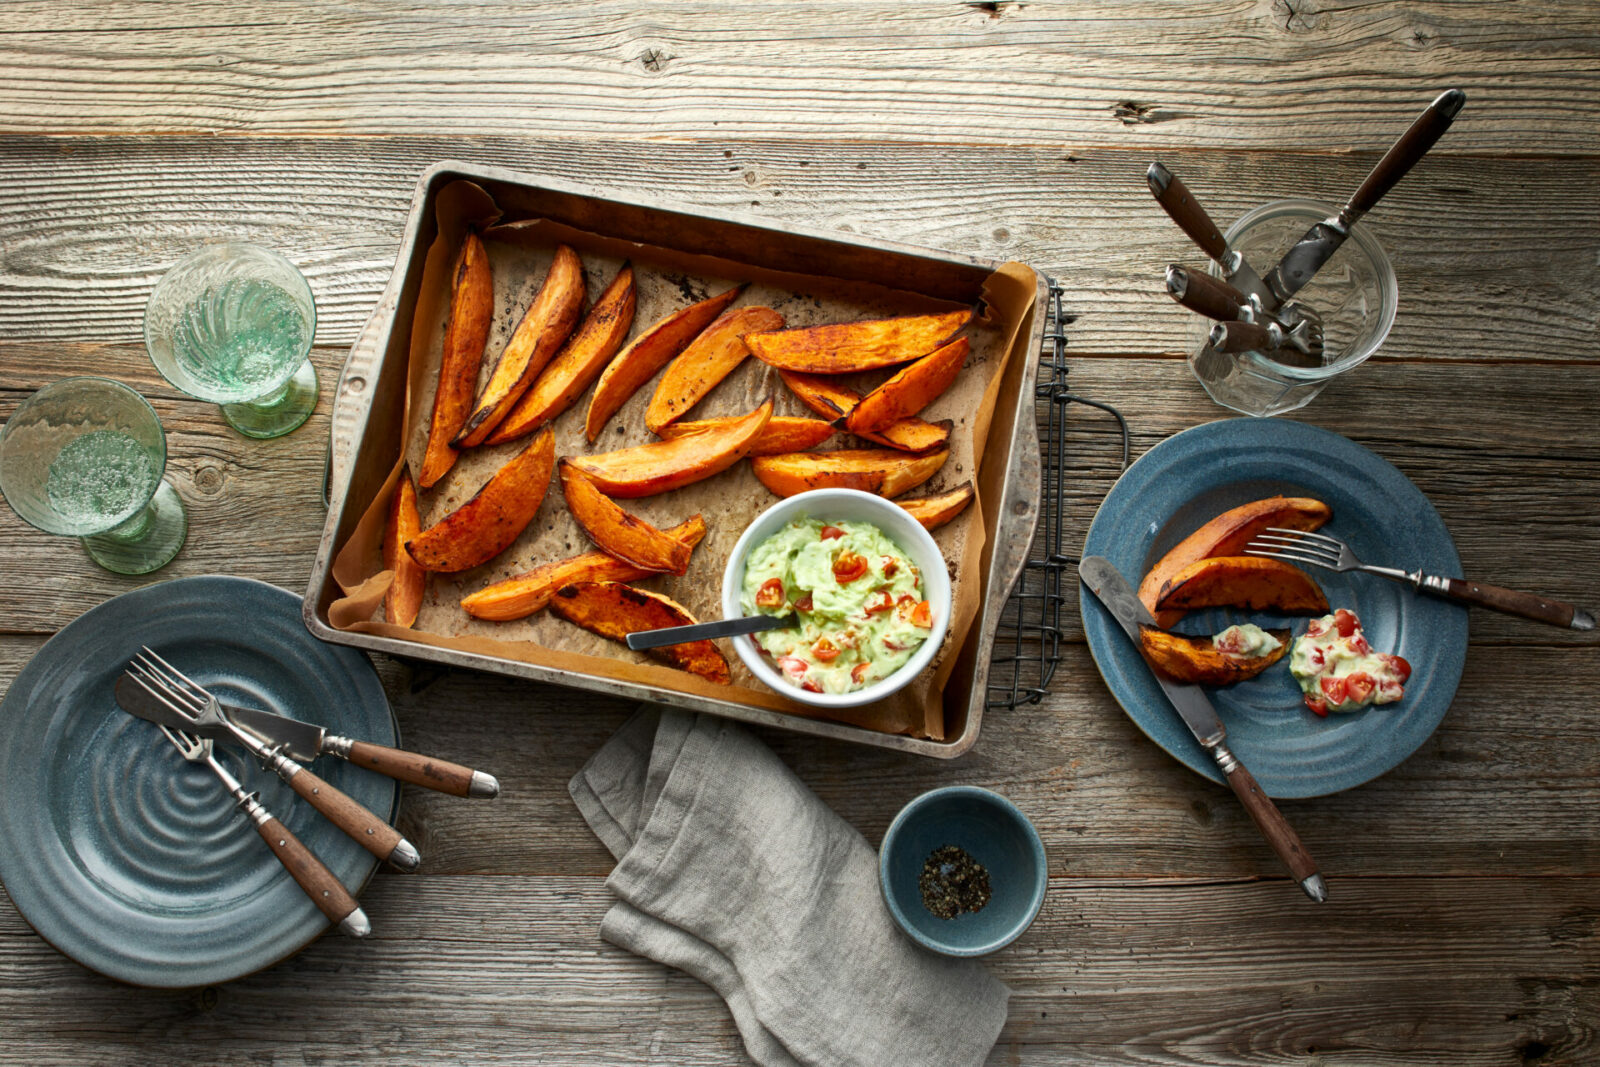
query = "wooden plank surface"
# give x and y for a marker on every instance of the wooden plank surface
(1464, 926)
(1218, 73)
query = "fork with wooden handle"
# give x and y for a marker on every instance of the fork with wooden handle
(1320, 550)
(325, 890)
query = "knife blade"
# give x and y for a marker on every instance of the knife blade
(304, 741)
(1200, 716)
(1323, 239)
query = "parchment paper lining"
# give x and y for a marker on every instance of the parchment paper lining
(520, 252)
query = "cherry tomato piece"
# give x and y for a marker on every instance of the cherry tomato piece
(1345, 622)
(811, 687)
(890, 565)
(804, 603)
(878, 607)
(1358, 687)
(825, 650)
(922, 615)
(770, 595)
(1318, 705)
(1401, 667)
(848, 567)
(1333, 689)
(859, 671)
(831, 533)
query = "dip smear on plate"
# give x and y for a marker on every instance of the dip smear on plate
(855, 593)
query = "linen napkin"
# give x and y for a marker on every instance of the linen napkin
(730, 869)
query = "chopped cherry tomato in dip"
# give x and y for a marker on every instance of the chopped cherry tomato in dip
(770, 595)
(804, 603)
(825, 650)
(859, 672)
(890, 565)
(922, 615)
(849, 566)
(831, 533)
(884, 603)
(1337, 669)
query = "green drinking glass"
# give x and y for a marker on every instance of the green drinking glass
(84, 457)
(232, 324)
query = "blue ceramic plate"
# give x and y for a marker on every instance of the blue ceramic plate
(136, 863)
(1190, 478)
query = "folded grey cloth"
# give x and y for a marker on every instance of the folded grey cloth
(731, 869)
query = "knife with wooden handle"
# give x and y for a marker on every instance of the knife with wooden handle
(1197, 713)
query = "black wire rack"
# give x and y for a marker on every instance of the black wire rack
(1027, 643)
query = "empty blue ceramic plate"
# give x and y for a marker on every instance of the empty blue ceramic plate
(136, 863)
(994, 833)
(1190, 478)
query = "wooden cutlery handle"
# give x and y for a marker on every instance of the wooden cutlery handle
(1175, 198)
(326, 892)
(1273, 826)
(430, 773)
(1422, 135)
(1512, 602)
(1198, 291)
(375, 835)
(1240, 337)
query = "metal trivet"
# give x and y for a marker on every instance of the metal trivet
(1027, 644)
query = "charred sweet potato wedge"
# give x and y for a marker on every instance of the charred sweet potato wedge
(1226, 535)
(934, 511)
(627, 537)
(910, 390)
(832, 401)
(614, 610)
(485, 526)
(471, 313)
(1195, 660)
(404, 599)
(661, 466)
(520, 596)
(847, 347)
(782, 433)
(871, 470)
(651, 351)
(1243, 582)
(710, 357)
(541, 333)
(580, 360)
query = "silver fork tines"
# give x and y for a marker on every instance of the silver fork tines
(166, 682)
(1303, 547)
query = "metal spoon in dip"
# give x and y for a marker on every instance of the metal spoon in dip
(640, 640)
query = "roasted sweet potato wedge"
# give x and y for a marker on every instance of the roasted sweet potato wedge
(615, 610)
(404, 598)
(651, 351)
(541, 333)
(580, 360)
(486, 525)
(711, 357)
(872, 470)
(471, 313)
(910, 390)
(627, 537)
(1243, 582)
(1195, 660)
(934, 511)
(832, 401)
(660, 466)
(526, 593)
(782, 433)
(846, 347)
(1226, 535)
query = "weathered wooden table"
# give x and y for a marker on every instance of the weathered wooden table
(1464, 926)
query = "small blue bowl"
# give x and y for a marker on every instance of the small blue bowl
(997, 835)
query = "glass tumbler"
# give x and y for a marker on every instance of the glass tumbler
(1355, 293)
(233, 324)
(84, 457)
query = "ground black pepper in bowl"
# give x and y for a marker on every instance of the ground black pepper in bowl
(953, 882)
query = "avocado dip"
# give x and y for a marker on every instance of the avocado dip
(856, 594)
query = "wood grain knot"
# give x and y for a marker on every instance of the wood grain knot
(654, 59)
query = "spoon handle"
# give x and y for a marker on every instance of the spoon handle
(700, 631)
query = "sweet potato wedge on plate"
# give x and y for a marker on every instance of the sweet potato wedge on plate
(471, 313)
(847, 347)
(541, 333)
(486, 525)
(615, 610)
(711, 357)
(910, 390)
(882, 471)
(934, 511)
(582, 358)
(660, 466)
(627, 537)
(1197, 661)
(528, 592)
(833, 401)
(1226, 535)
(1243, 582)
(651, 351)
(404, 598)
(782, 433)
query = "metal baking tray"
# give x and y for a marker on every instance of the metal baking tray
(369, 400)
